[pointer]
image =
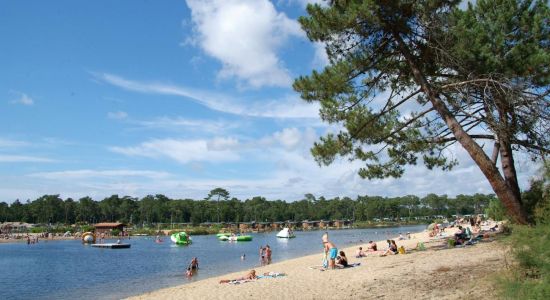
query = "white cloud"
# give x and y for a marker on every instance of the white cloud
(288, 107)
(177, 123)
(285, 153)
(222, 144)
(244, 36)
(294, 176)
(290, 138)
(464, 4)
(80, 174)
(117, 115)
(22, 158)
(24, 99)
(320, 59)
(182, 151)
(8, 143)
(304, 3)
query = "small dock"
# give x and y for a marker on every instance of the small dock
(111, 246)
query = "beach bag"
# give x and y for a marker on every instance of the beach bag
(401, 250)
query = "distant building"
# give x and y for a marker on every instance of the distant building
(108, 227)
(9, 227)
(277, 225)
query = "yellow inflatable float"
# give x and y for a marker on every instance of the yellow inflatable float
(88, 238)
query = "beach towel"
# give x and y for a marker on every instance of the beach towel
(239, 281)
(272, 275)
(352, 265)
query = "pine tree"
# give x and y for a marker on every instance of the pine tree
(407, 79)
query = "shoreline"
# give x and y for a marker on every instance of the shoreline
(376, 277)
(67, 238)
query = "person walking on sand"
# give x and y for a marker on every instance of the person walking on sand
(330, 251)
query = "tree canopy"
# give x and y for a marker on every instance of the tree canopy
(409, 79)
(153, 209)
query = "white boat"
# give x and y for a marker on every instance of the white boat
(286, 233)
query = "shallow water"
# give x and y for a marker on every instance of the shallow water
(68, 269)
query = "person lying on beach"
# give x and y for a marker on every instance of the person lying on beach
(360, 253)
(342, 260)
(249, 276)
(392, 248)
(372, 246)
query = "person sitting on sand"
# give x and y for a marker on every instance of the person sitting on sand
(371, 247)
(360, 253)
(460, 236)
(342, 260)
(249, 276)
(330, 251)
(392, 248)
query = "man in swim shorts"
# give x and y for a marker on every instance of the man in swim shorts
(330, 251)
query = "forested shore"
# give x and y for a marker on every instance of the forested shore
(219, 207)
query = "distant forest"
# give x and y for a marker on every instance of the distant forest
(219, 207)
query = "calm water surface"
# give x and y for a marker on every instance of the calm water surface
(68, 269)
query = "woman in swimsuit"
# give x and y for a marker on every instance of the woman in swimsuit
(342, 260)
(251, 275)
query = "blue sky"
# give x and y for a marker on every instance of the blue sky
(173, 97)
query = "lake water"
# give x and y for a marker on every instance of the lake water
(68, 269)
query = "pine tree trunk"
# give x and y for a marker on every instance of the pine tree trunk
(506, 195)
(506, 154)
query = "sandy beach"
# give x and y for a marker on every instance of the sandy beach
(438, 272)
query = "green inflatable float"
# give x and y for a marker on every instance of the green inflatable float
(236, 238)
(181, 238)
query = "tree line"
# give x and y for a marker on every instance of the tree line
(219, 207)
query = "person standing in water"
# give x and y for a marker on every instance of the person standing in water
(268, 254)
(262, 255)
